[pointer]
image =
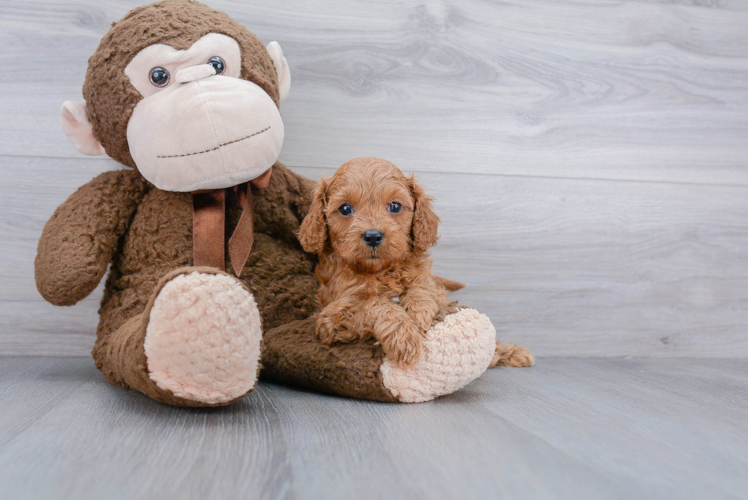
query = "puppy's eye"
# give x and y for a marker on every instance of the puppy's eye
(159, 77)
(217, 64)
(394, 208)
(345, 209)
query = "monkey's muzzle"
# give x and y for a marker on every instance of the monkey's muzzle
(205, 132)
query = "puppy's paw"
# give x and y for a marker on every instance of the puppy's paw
(326, 328)
(403, 346)
(331, 327)
(422, 312)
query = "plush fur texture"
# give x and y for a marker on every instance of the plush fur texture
(386, 292)
(146, 233)
(122, 358)
(455, 352)
(293, 354)
(80, 239)
(203, 338)
(110, 97)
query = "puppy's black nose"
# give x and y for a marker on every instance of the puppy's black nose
(373, 237)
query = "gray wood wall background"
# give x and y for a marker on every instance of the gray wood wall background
(590, 158)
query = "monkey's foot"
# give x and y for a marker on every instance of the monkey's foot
(455, 352)
(202, 341)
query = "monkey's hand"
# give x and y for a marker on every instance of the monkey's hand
(78, 242)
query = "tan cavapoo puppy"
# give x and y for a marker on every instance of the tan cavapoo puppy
(372, 227)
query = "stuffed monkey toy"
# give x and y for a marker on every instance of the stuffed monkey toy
(208, 284)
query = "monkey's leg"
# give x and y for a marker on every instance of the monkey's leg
(196, 344)
(456, 351)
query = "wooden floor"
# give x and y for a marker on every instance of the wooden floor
(566, 428)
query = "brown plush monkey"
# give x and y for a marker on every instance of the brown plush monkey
(201, 229)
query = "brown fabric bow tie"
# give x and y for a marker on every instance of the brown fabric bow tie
(209, 225)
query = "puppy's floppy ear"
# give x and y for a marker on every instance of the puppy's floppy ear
(425, 222)
(313, 232)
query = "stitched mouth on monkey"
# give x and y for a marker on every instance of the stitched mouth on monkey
(211, 134)
(178, 155)
(196, 129)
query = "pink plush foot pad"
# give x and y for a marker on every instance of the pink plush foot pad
(203, 338)
(455, 352)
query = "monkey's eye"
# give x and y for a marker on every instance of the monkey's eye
(218, 64)
(159, 77)
(394, 208)
(345, 209)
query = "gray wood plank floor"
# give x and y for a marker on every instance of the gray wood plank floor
(566, 428)
(589, 158)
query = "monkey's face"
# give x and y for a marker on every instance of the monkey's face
(199, 125)
(186, 95)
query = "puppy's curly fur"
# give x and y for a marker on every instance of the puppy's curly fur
(385, 291)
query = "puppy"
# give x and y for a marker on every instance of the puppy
(372, 227)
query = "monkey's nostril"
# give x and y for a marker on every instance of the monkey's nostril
(373, 237)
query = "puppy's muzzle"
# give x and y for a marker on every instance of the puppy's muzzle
(373, 237)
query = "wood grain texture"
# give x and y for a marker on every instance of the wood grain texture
(598, 268)
(625, 90)
(572, 428)
(655, 269)
(589, 158)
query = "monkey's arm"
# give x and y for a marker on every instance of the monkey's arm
(78, 242)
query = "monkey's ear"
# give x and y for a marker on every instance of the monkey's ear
(281, 66)
(313, 232)
(423, 232)
(77, 127)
